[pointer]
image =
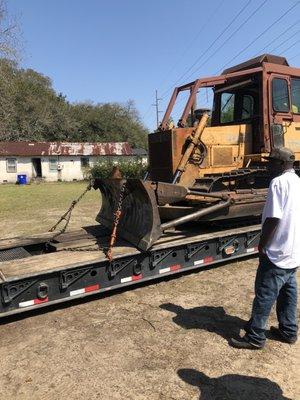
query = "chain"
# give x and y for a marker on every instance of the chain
(67, 215)
(117, 216)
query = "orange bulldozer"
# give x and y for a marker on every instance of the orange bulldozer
(211, 166)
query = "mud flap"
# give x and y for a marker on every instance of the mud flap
(140, 222)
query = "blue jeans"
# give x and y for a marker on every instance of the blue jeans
(271, 284)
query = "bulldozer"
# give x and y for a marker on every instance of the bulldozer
(209, 167)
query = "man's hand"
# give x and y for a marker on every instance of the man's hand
(267, 233)
(261, 250)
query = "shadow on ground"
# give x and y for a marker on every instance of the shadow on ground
(232, 387)
(211, 319)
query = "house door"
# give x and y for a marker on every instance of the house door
(37, 167)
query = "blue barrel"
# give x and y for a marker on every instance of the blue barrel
(22, 179)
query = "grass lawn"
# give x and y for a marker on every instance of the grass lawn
(36, 207)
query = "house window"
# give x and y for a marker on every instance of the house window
(52, 164)
(280, 95)
(11, 165)
(85, 162)
(296, 96)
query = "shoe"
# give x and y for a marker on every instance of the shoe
(243, 343)
(276, 333)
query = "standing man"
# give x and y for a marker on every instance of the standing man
(279, 256)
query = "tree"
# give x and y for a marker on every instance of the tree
(110, 122)
(30, 109)
(9, 33)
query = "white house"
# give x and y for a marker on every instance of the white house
(55, 161)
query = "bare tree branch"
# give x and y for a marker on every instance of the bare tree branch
(9, 34)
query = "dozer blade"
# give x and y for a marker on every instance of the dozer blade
(140, 222)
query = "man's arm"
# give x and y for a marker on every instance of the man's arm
(267, 233)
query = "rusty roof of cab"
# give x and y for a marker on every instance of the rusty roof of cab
(257, 62)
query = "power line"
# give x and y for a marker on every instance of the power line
(277, 37)
(230, 37)
(288, 48)
(294, 34)
(252, 42)
(209, 47)
(295, 56)
(261, 34)
(223, 31)
(192, 41)
(196, 36)
(147, 111)
(290, 37)
(294, 44)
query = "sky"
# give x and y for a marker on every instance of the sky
(120, 50)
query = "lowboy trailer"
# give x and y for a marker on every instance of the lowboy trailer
(209, 169)
(35, 272)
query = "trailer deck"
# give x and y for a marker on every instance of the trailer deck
(76, 264)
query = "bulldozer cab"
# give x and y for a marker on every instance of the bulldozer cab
(256, 106)
(239, 103)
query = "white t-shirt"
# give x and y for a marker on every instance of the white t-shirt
(283, 202)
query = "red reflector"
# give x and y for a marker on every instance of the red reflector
(208, 259)
(137, 277)
(175, 267)
(91, 288)
(38, 301)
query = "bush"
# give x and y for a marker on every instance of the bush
(128, 169)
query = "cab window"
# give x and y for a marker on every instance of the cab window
(280, 95)
(295, 96)
(227, 107)
(247, 107)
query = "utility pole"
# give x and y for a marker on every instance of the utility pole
(156, 105)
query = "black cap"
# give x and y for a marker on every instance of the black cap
(282, 154)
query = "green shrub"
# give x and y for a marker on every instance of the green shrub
(128, 169)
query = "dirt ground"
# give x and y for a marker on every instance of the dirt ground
(165, 341)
